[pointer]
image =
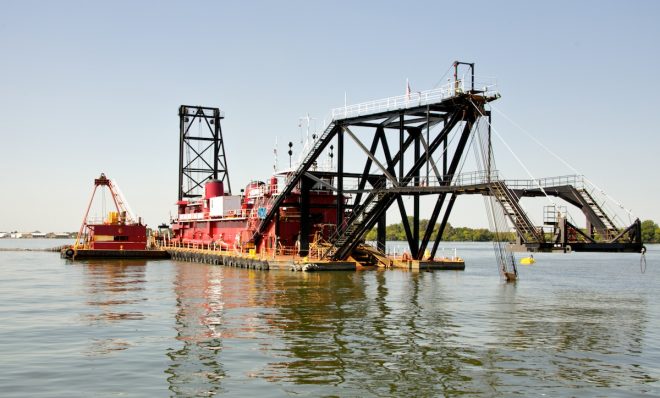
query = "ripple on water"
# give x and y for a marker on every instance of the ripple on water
(575, 325)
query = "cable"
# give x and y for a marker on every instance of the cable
(443, 75)
(515, 157)
(630, 213)
(444, 151)
(464, 158)
(496, 217)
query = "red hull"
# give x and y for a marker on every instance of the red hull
(232, 224)
(208, 232)
(117, 237)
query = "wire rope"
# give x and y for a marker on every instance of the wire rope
(619, 204)
(496, 217)
(516, 157)
(446, 149)
(443, 76)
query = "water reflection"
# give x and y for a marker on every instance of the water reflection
(112, 286)
(114, 291)
(196, 369)
(392, 333)
(313, 325)
(388, 327)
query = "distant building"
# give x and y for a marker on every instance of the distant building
(4, 234)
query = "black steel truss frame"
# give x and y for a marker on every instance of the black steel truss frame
(206, 161)
(455, 115)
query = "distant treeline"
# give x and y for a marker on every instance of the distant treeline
(650, 233)
(454, 234)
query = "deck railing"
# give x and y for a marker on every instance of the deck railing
(577, 181)
(412, 99)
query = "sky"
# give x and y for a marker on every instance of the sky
(91, 87)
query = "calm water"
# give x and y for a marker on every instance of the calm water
(574, 325)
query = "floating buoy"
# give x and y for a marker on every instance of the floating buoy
(527, 260)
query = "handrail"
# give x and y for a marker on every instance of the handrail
(478, 177)
(577, 181)
(409, 100)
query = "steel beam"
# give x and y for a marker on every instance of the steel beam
(340, 177)
(305, 186)
(432, 220)
(415, 233)
(381, 233)
(371, 156)
(389, 199)
(443, 225)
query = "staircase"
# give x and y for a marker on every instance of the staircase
(509, 202)
(273, 204)
(343, 239)
(608, 229)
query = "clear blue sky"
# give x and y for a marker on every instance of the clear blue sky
(87, 87)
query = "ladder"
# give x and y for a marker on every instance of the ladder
(608, 228)
(274, 202)
(343, 239)
(509, 202)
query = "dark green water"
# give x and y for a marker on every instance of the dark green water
(574, 325)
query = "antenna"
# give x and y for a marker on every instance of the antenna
(307, 120)
(275, 153)
(307, 136)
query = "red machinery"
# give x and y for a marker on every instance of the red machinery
(230, 222)
(208, 214)
(120, 231)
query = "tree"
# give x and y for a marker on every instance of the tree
(648, 231)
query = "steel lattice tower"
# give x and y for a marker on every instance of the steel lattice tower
(201, 150)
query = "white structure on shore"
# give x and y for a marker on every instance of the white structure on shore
(36, 234)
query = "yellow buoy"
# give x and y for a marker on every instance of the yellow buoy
(527, 260)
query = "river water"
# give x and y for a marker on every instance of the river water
(580, 324)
